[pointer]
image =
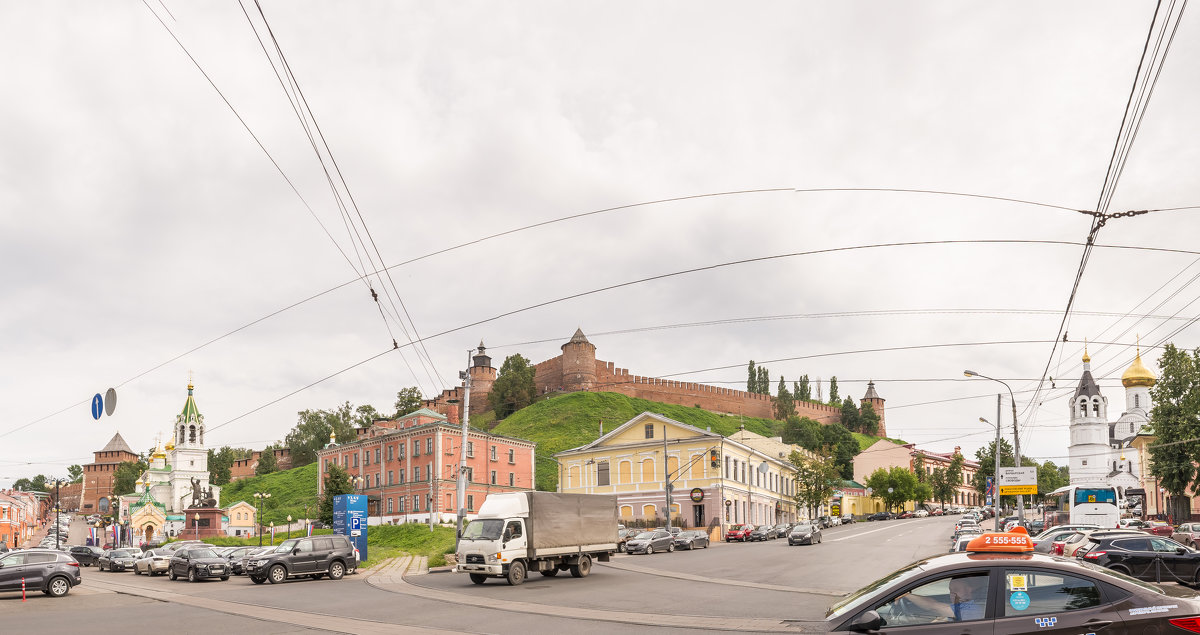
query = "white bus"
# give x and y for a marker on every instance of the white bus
(1083, 504)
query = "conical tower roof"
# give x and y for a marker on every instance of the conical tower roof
(577, 338)
(871, 394)
(1087, 383)
(117, 444)
(190, 411)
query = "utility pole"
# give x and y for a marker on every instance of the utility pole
(461, 489)
(666, 478)
(996, 466)
(1016, 456)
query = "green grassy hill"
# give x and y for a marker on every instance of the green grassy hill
(290, 491)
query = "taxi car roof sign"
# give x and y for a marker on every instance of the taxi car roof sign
(1016, 541)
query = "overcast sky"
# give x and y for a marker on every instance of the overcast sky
(139, 219)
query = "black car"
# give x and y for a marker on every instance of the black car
(650, 541)
(118, 560)
(48, 571)
(86, 556)
(763, 532)
(691, 540)
(236, 559)
(311, 557)
(197, 563)
(1011, 592)
(805, 534)
(880, 516)
(1152, 558)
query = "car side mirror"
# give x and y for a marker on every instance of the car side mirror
(1180, 550)
(296, 551)
(867, 622)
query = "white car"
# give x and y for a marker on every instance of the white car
(920, 513)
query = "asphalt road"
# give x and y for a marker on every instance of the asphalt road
(747, 587)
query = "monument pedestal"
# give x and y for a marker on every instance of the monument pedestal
(202, 522)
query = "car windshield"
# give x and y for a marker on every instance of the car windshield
(122, 553)
(202, 553)
(852, 601)
(286, 546)
(764, 528)
(486, 529)
(645, 535)
(804, 529)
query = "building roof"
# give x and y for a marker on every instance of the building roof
(1137, 374)
(871, 394)
(1087, 385)
(190, 411)
(117, 444)
(579, 337)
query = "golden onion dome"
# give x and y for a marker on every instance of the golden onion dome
(1137, 374)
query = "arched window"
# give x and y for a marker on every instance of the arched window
(625, 473)
(649, 511)
(1096, 406)
(648, 471)
(192, 434)
(573, 476)
(1082, 407)
(627, 512)
(673, 465)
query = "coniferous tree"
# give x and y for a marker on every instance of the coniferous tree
(834, 399)
(751, 378)
(820, 396)
(784, 406)
(764, 381)
(804, 393)
(850, 417)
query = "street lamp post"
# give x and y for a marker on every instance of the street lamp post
(260, 499)
(57, 511)
(289, 519)
(996, 467)
(272, 533)
(196, 526)
(1016, 440)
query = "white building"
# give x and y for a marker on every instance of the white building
(173, 473)
(1099, 450)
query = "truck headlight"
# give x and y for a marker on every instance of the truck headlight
(493, 558)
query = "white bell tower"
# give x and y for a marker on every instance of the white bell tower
(1089, 448)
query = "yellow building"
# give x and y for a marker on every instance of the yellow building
(715, 480)
(241, 519)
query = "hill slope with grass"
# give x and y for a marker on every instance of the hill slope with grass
(290, 491)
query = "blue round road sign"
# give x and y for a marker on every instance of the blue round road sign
(97, 406)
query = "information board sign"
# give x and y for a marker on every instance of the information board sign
(350, 519)
(1018, 480)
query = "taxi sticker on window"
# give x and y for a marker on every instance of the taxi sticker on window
(1019, 600)
(1045, 622)
(1017, 583)
(1153, 609)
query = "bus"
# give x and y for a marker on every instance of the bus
(1083, 504)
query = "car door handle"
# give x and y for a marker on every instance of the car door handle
(1097, 624)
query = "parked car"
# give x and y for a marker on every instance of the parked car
(1151, 558)
(763, 532)
(623, 536)
(921, 513)
(117, 560)
(824, 521)
(1072, 546)
(937, 512)
(648, 542)
(51, 572)
(960, 543)
(197, 563)
(905, 514)
(738, 532)
(1044, 542)
(238, 567)
(691, 540)
(1158, 528)
(1188, 534)
(313, 557)
(1131, 523)
(234, 555)
(153, 562)
(173, 546)
(805, 534)
(880, 516)
(847, 519)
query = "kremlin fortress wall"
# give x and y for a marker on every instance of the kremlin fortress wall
(577, 369)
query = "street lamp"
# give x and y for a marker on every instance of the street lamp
(289, 526)
(1016, 437)
(260, 498)
(272, 533)
(996, 477)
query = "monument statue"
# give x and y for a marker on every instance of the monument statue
(197, 494)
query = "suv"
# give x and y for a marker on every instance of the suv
(87, 556)
(312, 557)
(738, 532)
(48, 571)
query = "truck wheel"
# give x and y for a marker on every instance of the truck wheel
(516, 573)
(549, 573)
(478, 578)
(583, 568)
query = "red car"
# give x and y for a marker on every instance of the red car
(738, 532)
(1158, 528)
(906, 514)
(936, 512)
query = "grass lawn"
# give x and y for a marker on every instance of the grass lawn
(383, 542)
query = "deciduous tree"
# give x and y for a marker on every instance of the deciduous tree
(408, 401)
(868, 419)
(1175, 420)
(514, 386)
(893, 486)
(850, 418)
(337, 482)
(312, 432)
(126, 475)
(816, 478)
(267, 462)
(75, 473)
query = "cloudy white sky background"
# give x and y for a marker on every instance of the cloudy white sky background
(139, 219)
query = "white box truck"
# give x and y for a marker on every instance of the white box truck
(517, 533)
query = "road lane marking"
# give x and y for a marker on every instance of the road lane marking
(862, 534)
(724, 581)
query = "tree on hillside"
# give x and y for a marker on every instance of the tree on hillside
(126, 476)
(751, 378)
(337, 482)
(850, 415)
(803, 432)
(893, 486)
(514, 386)
(843, 447)
(784, 406)
(365, 415)
(1176, 419)
(804, 392)
(219, 473)
(834, 400)
(267, 462)
(868, 419)
(312, 432)
(408, 401)
(75, 473)
(816, 478)
(39, 483)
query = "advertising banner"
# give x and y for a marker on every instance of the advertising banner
(350, 520)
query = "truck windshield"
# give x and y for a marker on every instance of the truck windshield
(487, 529)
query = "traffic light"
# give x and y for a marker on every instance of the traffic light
(712, 458)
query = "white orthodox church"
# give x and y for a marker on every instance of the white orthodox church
(174, 472)
(1099, 450)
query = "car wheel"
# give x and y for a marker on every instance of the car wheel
(257, 580)
(318, 576)
(670, 547)
(582, 569)
(1120, 569)
(192, 575)
(478, 578)
(516, 573)
(136, 571)
(621, 548)
(172, 575)
(649, 549)
(336, 571)
(224, 578)
(277, 574)
(58, 587)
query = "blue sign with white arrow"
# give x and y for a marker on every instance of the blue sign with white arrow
(97, 406)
